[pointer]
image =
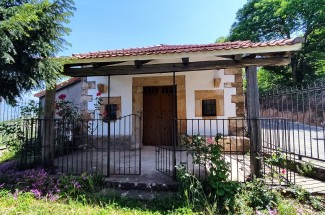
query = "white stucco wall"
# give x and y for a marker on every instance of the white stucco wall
(72, 92)
(197, 80)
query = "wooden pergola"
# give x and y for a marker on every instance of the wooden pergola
(186, 58)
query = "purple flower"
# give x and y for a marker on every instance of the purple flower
(37, 193)
(272, 212)
(259, 213)
(54, 197)
(15, 195)
(76, 184)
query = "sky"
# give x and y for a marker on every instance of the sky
(116, 24)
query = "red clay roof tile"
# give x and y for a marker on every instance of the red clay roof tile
(168, 49)
(60, 86)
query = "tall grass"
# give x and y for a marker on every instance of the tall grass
(25, 203)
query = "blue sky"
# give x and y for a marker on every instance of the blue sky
(114, 24)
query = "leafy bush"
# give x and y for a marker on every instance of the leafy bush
(12, 134)
(217, 187)
(306, 169)
(256, 195)
(304, 196)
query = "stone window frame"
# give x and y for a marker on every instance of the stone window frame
(116, 100)
(201, 95)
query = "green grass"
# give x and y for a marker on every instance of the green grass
(25, 203)
(6, 156)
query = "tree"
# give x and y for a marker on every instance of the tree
(261, 20)
(222, 39)
(31, 32)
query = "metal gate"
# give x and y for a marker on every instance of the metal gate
(165, 152)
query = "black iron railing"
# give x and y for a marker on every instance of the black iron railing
(279, 152)
(303, 104)
(89, 146)
(86, 145)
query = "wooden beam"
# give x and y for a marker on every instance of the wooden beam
(186, 60)
(177, 67)
(238, 57)
(101, 64)
(139, 63)
(253, 114)
(94, 64)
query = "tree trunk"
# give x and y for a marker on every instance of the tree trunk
(294, 71)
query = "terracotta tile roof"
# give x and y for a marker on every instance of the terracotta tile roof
(170, 49)
(60, 86)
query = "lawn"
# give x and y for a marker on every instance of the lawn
(25, 203)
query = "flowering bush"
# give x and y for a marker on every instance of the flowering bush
(207, 152)
(43, 185)
(67, 129)
(98, 103)
(66, 109)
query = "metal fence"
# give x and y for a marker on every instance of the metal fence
(236, 149)
(11, 120)
(85, 146)
(9, 112)
(115, 148)
(297, 124)
(303, 104)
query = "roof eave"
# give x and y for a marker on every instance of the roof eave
(216, 53)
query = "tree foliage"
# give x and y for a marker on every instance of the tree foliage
(262, 20)
(31, 32)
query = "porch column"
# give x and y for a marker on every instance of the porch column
(253, 114)
(48, 129)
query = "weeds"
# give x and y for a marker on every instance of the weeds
(306, 169)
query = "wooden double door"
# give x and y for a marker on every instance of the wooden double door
(158, 110)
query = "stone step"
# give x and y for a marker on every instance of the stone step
(138, 194)
(141, 183)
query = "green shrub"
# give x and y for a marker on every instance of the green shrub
(217, 189)
(256, 195)
(303, 196)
